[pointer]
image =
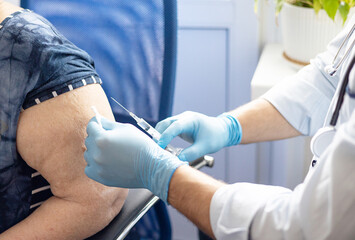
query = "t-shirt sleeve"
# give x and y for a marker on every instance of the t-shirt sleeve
(44, 58)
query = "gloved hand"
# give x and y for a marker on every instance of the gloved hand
(208, 134)
(120, 155)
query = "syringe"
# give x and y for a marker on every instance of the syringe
(149, 129)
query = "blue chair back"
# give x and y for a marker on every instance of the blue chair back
(133, 44)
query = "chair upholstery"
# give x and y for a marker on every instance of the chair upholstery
(133, 44)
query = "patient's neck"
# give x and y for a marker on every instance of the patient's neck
(6, 9)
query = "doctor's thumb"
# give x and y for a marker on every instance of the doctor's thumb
(164, 140)
(189, 154)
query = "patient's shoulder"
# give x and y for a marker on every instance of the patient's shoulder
(51, 136)
(51, 139)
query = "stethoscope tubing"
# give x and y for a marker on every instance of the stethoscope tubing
(342, 92)
(325, 135)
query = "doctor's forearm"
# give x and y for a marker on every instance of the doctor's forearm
(190, 192)
(261, 121)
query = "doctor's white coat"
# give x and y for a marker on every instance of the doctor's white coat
(323, 206)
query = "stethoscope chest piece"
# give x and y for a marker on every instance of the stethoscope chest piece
(321, 140)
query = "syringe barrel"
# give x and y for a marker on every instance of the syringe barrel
(156, 136)
(148, 129)
(173, 150)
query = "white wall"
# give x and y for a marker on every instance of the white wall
(269, 24)
(285, 162)
(217, 55)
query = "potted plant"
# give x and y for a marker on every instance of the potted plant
(331, 7)
(307, 26)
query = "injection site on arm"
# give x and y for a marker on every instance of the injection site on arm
(149, 129)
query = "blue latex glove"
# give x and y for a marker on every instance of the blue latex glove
(208, 134)
(120, 155)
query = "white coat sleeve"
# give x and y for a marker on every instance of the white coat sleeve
(304, 98)
(322, 207)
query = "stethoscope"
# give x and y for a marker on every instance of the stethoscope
(324, 136)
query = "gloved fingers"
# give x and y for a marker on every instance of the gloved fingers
(91, 147)
(164, 124)
(129, 133)
(193, 152)
(91, 155)
(93, 128)
(184, 128)
(170, 133)
(108, 124)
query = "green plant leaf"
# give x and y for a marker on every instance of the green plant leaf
(344, 9)
(317, 6)
(331, 7)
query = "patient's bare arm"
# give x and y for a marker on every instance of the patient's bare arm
(50, 139)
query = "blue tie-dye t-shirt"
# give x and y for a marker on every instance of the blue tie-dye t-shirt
(36, 64)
